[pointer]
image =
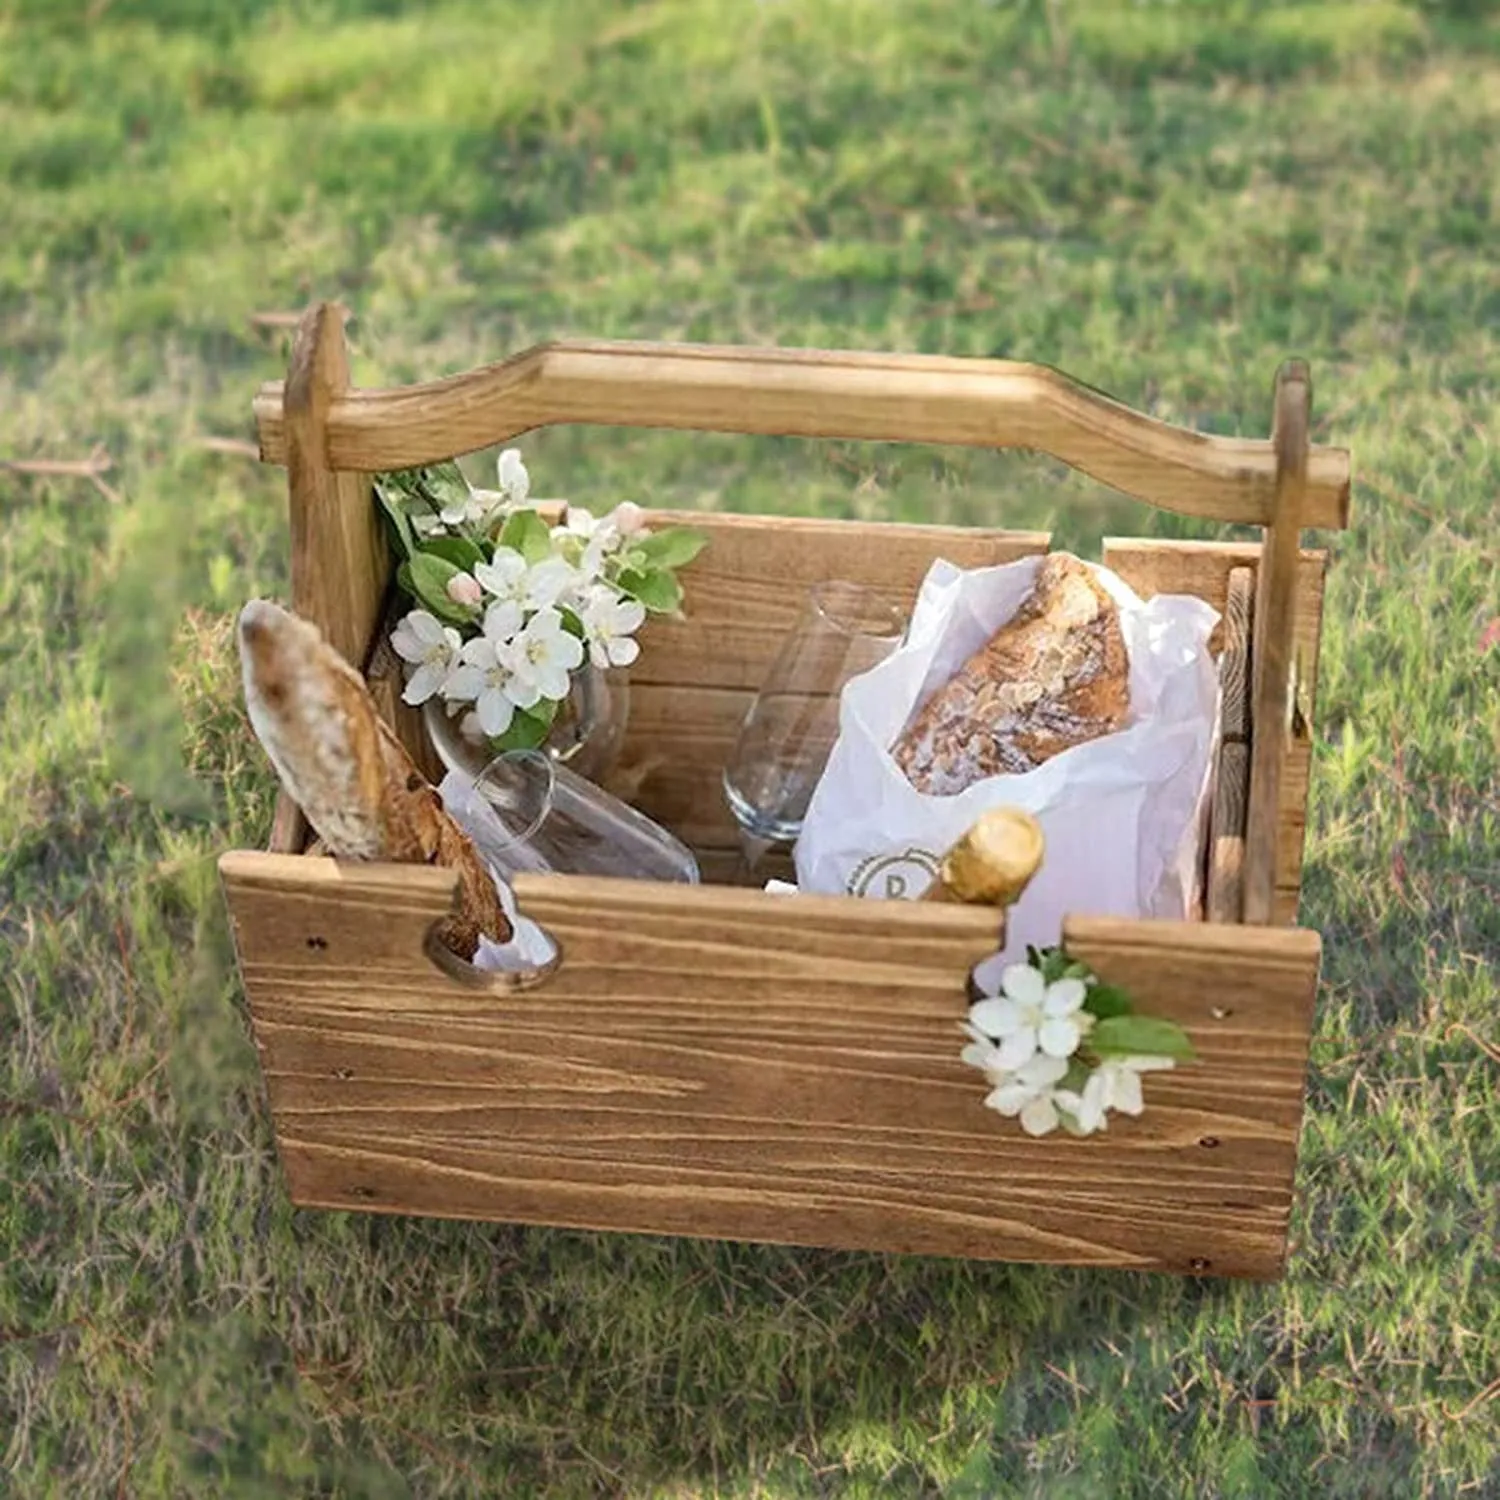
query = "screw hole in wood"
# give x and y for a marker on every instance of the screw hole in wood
(317, 944)
(344, 1074)
(1208, 1142)
(1197, 1263)
(1220, 1012)
(362, 1192)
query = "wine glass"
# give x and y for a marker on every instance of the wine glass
(844, 630)
(529, 814)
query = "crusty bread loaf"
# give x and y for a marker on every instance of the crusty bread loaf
(348, 772)
(1053, 676)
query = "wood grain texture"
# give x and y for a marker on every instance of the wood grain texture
(1234, 663)
(746, 590)
(1274, 652)
(733, 1064)
(1203, 568)
(1226, 836)
(814, 393)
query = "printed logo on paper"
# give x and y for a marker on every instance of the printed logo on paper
(894, 877)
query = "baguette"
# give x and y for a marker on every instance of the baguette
(1054, 676)
(345, 768)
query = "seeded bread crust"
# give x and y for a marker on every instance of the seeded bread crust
(1054, 676)
(348, 772)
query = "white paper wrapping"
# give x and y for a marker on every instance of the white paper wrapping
(1123, 816)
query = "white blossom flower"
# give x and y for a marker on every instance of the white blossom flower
(628, 517)
(542, 656)
(601, 538)
(515, 482)
(610, 620)
(1030, 1015)
(464, 588)
(531, 586)
(484, 677)
(1114, 1084)
(1030, 1093)
(475, 509)
(430, 647)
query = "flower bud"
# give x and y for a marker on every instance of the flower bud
(629, 517)
(463, 588)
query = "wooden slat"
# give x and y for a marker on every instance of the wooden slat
(1226, 834)
(1273, 655)
(1226, 838)
(1234, 663)
(1203, 568)
(815, 393)
(746, 590)
(733, 1064)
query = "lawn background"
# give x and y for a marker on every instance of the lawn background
(1164, 200)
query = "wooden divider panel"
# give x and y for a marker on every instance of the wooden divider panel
(696, 678)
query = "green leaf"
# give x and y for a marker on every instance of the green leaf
(528, 729)
(1131, 1036)
(429, 576)
(1105, 1001)
(657, 589)
(528, 534)
(458, 550)
(389, 496)
(1076, 1076)
(571, 623)
(675, 547)
(445, 484)
(1054, 965)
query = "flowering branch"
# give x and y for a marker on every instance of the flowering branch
(509, 608)
(1060, 1047)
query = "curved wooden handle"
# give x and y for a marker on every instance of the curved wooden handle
(912, 398)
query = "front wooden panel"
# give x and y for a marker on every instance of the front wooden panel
(734, 1065)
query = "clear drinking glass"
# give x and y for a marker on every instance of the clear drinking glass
(535, 816)
(845, 629)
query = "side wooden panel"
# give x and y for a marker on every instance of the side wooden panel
(732, 1064)
(1203, 568)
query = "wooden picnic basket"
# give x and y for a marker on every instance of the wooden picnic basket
(719, 1061)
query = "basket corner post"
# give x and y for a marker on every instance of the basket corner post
(1274, 630)
(340, 562)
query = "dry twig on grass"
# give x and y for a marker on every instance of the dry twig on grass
(236, 447)
(93, 468)
(275, 319)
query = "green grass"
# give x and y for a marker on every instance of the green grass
(1163, 199)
